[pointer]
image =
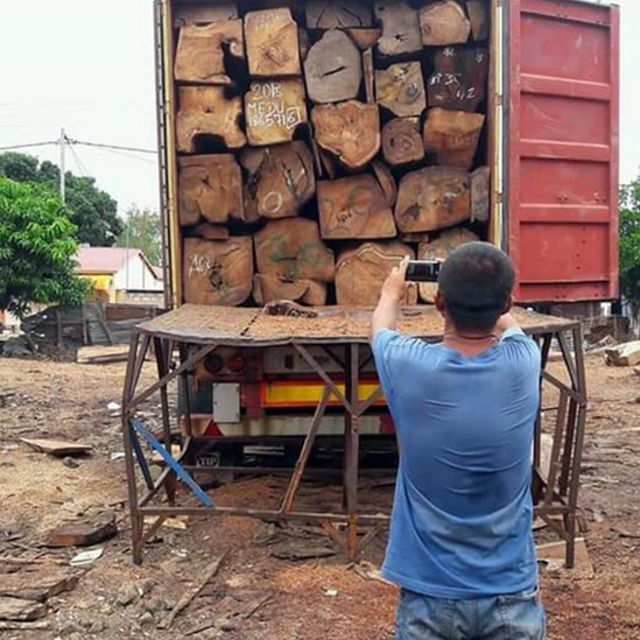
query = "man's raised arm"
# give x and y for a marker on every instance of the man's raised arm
(385, 315)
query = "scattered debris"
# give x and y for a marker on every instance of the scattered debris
(127, 595)
(117, 455)
(84, 532)
(58, 448)
(172, 522)
(624, 355)
(102, 354)
(551, 559)
(367, 571)
(192, 592)
(113, 406)
(21, 609)
(331, 593)
(17, 347)
(86, 557)
(623, 533)
(23, 626)
(37, 587)
(297, 550)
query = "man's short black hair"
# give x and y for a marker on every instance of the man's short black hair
(476, 281)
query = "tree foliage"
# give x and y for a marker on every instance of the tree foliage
(93, 211)
(37, 249)
(630, 241)
(142, 231)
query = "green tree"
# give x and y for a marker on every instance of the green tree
(630, 241)
(37, 249)
(142, 231)
(92, 210)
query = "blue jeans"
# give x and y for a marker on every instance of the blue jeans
(514, 617)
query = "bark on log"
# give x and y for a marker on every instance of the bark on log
(200, 55)
(459, 81)
(452, 136)
(199, 14)
(361, 272)
(272, 43)
(400, 28)
(217, 272)
(338, 14)
(350, 130)
(415, 237)
(291, 249)
(433, 198)
(439, 249)
(205, 111)
(333, 68)
(364, 38)
(369, 74)
(479, 17)
(281, 179)
(443, 23)
(400, 89)
(274, 109)
(211, 231)
(269, 288)
(480, 189)
(354, 207)
(209, 187)
(402, 141)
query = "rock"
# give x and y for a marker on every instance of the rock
(636, 370)
(146, 586)
(20, 609)
(69, 627)
(16, 348)
(70, 462)
(127, 594)
(146, 618)
(98, 626)
(155, 605)
(624, 355)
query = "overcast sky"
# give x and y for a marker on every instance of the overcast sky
(88, 66)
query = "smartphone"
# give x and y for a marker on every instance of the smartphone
(423, 270)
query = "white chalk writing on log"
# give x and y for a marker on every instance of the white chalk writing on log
(266, 108)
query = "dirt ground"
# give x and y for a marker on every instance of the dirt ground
(256, 595)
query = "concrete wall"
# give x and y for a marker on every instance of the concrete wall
(136, 276)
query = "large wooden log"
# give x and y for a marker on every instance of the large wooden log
(444, 22)
(433, 198)
(333, 68)
(206, 111)
(402, 141)
(337, 14)
(200, 56)
(480, 190)
(369, 75)
(400, 28)
(440, 249)
(400, 89)
(478, 11)
(272, 43)
(197, 13)
(269, 288)
(291, 249)
(281, 179)
(386, 180)
(349, 130)
(273, 110)
(354, 207)
(459, 81)
(209, 187)
(364, 38)
(452, 136)
(361, 272)
(217, 272)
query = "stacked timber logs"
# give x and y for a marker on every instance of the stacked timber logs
(319, 142)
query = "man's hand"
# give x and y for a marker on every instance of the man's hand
(393, 291)
(395, 286)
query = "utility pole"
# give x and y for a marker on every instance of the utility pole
(62, 142)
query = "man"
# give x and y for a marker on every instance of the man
(460, 544)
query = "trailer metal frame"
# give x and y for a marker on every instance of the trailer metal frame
(195, 331)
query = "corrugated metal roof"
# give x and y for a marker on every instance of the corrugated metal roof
(93, 260)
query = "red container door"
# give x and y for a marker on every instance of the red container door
(562, 179)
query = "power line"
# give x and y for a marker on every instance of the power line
(32, 144)
(112, 146)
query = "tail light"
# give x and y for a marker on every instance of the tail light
(237, 364)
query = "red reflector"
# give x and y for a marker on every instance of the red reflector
(236, 364)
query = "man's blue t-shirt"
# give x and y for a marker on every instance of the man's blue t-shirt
(462, 514)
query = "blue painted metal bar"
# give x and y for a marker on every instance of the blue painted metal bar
(168, 459)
